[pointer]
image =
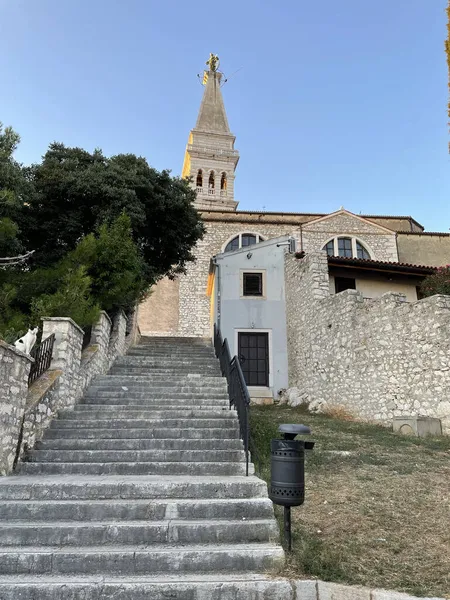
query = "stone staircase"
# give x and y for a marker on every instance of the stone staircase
(140, 492)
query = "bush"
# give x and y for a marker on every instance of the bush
(72, 300)
(114, 264)
(438, 283)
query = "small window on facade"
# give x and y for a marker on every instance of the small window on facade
(200, 178)
(223, 181)
(344, 283)
(211, 180)
(330, 248)
(345, 247)
(252, 284)
(361, 252)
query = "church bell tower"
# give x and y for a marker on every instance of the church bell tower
(210, 158)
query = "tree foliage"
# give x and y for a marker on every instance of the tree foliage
(103, 230)
(437, 283)
(76, 191)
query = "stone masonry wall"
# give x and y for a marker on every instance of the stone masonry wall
(71, 371)
(377, 358)
(194, 305)
(381, 244)
(14, 369)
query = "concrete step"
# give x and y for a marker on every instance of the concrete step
(135, 468)
(193, 433)
(123, 456)
(146, 412)
(148, 424)
(138, 533)
(85, 487)
(123, 560)
(193, 586)
(136, 509)
(205, 445)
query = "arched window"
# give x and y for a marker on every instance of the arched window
(211, 182)
(346, 247)
(361, 251)
(243, 240)
(200, 178)
(223, 181)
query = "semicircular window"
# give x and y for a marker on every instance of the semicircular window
(346, 247)
(243, 240)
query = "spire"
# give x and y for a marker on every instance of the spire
(212, 116)
(210, 158)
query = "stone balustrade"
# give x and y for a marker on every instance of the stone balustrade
(25, 412)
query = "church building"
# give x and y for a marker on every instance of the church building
(372, 254)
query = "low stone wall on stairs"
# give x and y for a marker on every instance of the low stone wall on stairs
(25, 412)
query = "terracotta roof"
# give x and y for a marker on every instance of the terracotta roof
(381, 265)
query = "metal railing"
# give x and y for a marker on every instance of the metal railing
(42, 355)
(237, 388)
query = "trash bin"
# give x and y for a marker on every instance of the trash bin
(287, 482)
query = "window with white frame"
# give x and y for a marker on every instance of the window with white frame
(346, 247)
(243, 240)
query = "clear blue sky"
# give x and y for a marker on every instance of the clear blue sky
(337, 103)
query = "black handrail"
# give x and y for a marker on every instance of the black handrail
(42, 355)
(237, 388)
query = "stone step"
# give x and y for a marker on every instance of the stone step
(108, 433)
(199, 352)
(149, 378)
(158, 394)
(193, 586)
(166, 371)
(138, 444)
(150, 404)
(148, 424)
(84, 487)
(175, 361)
(145, 412)
(136, 509)
(124, 456)
(123, 560)
(138, 533)
(135, 468)
(144, 386)
(159, 390)
(154, 404)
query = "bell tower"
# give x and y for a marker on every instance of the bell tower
(210, 158)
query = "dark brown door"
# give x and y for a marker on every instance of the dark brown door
(253, 351)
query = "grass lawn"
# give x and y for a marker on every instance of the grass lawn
(378, 516)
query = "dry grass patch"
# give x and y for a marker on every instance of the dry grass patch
(378, 514)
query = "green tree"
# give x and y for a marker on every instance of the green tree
(77, 191)
(114, 264)
(73, 299)
(437, 283)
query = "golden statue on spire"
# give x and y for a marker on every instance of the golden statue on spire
(213, 62)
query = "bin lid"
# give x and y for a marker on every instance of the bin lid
(294, 429)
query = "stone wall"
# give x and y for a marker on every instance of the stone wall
(14, 369)
(377, 358)
(380, 242)
(26, 412)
